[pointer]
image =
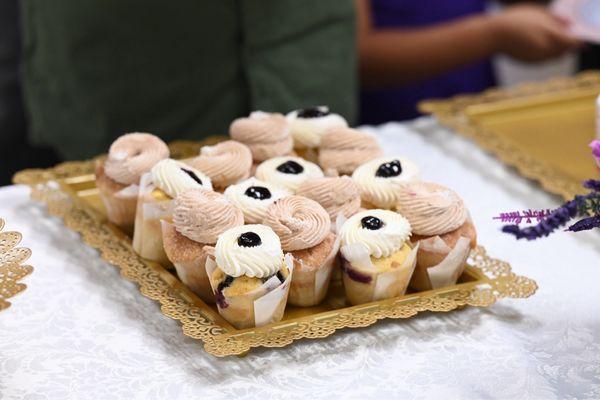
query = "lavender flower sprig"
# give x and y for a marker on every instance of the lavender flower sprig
(583, 206)
(595, 146)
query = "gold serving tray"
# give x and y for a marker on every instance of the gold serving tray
(542, 129)
(70, 193)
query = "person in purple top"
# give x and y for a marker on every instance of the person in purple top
(410, 50)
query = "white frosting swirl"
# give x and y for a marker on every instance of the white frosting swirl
(169, 176)
(382, 192)
(382, 242)
(307, 132)
(254, 210)
(267, 171)
(259, 261)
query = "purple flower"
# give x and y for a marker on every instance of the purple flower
(592, 184)
(595, 146)
(586, 224)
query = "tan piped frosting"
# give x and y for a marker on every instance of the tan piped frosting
(430, 208)
(335, 194)
(267, 135)
(132, 155)
(299, 222)
(202, 215)
(225, 164)
(344, 149)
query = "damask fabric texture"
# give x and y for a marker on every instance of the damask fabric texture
(82, 331)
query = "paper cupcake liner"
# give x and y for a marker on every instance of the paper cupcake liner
(259, 307)
(309, 286)
(448, 271)
(147, 234)
(363, 286)
(121, 206)
(192, 272)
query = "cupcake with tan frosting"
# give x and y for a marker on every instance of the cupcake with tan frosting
(337, 195)
(345, 149)
(304, 229)
(441, 225)
(288, 172)
(308, 126)
(377, 259)
(250, 276)
(118, 176)
(158, 188)
(225, 163)
(199, 217)
(380, 179)
(266, 135)
(253, 197)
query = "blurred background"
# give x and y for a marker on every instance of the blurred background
(76, 74)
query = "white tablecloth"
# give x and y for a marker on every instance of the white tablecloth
(80, 331)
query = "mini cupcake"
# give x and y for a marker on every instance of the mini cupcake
(441, 225)
(339, 196)
(249, 276)
(199, 217)
(267, 135)
(308, 125)
(158, 188)
(288, 172)
(118, 177)
(304, 228)
(377, 261)
(225, 163)
(380, 179)
(253, 197)
(345, 149)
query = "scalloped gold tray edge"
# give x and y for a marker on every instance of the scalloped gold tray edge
(453, 114)
(495, 279)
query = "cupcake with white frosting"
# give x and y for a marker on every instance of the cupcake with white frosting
(118, 176)
(253, 197)
(308, 126)
(267, 135)
(158, 188)
(225, 163)
(288, 172)
(441, 225)
(380, 179)
(199, 217)
(377, 259)
(304, 229)
(249, 276)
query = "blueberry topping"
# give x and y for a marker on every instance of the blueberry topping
(313, 112)
(258, 192)
(389, 169)
(249, 239)
(290, 167)
(192, 175)
(371, 223)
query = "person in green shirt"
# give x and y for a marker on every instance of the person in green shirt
(95, 69)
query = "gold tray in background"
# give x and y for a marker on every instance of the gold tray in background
(12, 269)
(543, 129)
(70, 193)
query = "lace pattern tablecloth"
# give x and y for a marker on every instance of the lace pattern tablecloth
(80, 331)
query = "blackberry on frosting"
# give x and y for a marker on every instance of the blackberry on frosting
(253, 197)
(380, 179)
(309, 125)
(288, 172)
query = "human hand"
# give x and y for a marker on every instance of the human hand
(532, 33)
